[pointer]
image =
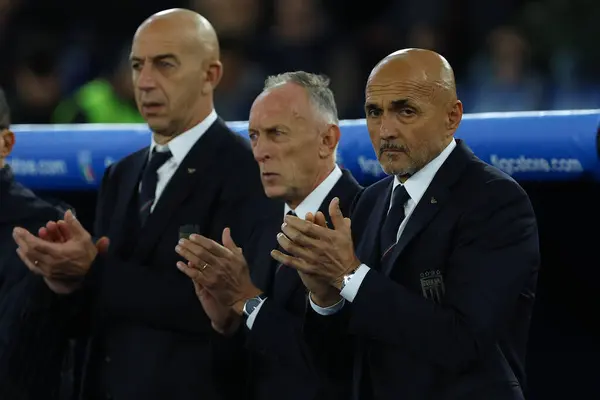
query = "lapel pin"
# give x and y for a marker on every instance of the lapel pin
(433, 200)
(191, 170)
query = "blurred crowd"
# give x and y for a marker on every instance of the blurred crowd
(66, 61)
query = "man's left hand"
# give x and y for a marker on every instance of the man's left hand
(316, 250)
(220, 269)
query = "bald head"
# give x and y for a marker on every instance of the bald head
(412, 109)
(424, 67)
(176, 67)
(188, 27)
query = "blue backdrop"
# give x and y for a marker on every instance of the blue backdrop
(530, 146)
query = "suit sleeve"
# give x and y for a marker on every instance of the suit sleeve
(231, 356)
(312, 346)
(284, 338)
(230, 359)
(496, 254)
(278, 334)
(35, 321)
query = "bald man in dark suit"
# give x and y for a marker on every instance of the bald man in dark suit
(438, 291)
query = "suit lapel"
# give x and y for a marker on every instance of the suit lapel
(346, 190)
(432, 201)
(192, 174)
(129, 188)
(368, 248)
(264, 269)
(423, 213)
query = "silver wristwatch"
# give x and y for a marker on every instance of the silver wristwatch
(252, 303)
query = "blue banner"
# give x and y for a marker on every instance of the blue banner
(530, 146)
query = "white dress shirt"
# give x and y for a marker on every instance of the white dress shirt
(179, 147)
(416, 186)
(310, 204)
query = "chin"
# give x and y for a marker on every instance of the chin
(390, 168)
(396, 170)
(158, 127)
(274, 192)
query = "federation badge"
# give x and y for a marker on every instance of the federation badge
(432, 285)
(84, 159)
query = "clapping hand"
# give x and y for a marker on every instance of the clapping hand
(221, 277)
(316, 250)
(62, 255)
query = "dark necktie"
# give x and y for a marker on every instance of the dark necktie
(149, 180)
(389, 230)
(363, 388)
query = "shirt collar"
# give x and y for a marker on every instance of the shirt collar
(313, 201)
(418, 183)
(182, 144)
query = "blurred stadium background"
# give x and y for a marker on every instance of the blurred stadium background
(509, 55)
(65, 61)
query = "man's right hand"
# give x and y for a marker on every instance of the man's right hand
(224, 320)
(323, 294)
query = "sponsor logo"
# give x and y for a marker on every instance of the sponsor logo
(39, 167)
(532, 164)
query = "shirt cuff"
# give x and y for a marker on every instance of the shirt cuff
(253, 314)
(326, 310)
(351, 289)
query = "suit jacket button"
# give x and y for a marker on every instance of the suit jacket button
(107, 359)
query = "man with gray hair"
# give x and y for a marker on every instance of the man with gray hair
(294, 132)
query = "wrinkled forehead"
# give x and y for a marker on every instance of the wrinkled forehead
(280, 104)
(402, 83)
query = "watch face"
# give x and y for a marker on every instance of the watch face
(251, 305)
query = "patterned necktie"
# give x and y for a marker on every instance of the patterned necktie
(389, 230)
(147, 194)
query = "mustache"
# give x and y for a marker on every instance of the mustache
(392, 146)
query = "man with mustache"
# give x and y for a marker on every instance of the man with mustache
(438, 292)
(294, 132)
(149, 337)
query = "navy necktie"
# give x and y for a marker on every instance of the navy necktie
(147, 194)
(389, 230)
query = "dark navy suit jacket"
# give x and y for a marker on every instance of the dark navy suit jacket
(444, 315)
